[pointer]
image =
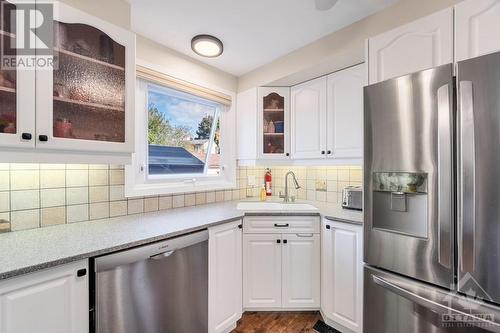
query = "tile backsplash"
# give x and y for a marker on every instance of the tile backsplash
(40, 195)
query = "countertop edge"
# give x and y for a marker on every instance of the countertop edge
(338, 219)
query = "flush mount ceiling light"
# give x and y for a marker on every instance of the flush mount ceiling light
(207, 46)
(325, 4)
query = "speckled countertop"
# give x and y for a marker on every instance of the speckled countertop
(27, 251)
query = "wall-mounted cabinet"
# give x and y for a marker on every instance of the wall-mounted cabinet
(273, 123)
(419, 45)
(80, 107)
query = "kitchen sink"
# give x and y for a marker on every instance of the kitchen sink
(275, 207)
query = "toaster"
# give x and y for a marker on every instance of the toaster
(352, 197)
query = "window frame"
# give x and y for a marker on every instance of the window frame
(138, 182)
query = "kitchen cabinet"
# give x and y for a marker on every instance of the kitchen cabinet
(224, 276)
(308, 118)
(273, 123)
(54, 300)
(342, 274)
(281, 262)
(344, 125)
(477, 31)
(422, 44)
(301, 271)
(83, 105)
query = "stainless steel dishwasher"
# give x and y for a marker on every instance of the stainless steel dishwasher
(157, 288)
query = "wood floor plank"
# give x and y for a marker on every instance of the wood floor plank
(277, 322)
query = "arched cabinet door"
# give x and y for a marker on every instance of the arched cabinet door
(477, 31)
(85, 103)
(17, 88)
(273, 123)
(419, 45)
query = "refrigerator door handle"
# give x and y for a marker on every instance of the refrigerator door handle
(467, 178)
(437, 307)
(445, 195)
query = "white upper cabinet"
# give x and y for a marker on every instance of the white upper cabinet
(477, 28)
(308, 119)
(344, 124)
(273, 123)
(224, 276)
(54, 300)
(301, 271)
(422, 44)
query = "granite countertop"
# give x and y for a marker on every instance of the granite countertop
(31, 250)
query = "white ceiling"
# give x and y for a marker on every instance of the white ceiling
(254, 32)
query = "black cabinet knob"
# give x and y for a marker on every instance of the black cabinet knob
(327, 226)
(322, 152)
(26, 136)
(287, 154)
(240, 226)
(81, 272)
(285, 241)
(329, 152)
(278, 241)
(43, 138)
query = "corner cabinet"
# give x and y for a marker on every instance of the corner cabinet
(419, 45)
(477, 31)
(224, 277)
(54, 300)
(342, 275)
(273, 138)
(82, 108)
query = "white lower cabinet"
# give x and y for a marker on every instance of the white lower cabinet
(301, 271)
(342, 274)
(54, 300)
(281, 268)
(224, 277)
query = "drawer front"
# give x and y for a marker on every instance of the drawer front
(281, 224)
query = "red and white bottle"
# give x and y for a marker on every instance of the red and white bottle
(268, 179)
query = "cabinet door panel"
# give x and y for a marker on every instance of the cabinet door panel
(308, 119)
(273, 123)
(477, 31)
(301, 271)
(17, 89)
(54, 300)
(86, 102)
(225, 276)
(422, 44)
(345, 113)
(261, 271)
(342, 269)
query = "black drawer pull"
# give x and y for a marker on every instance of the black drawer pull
(278, 241)
(43, 138)
(327, 226)
(284, 225)
(26, 136)
(81, 272)
(285, 241)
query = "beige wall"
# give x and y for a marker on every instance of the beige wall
(114, 11)
(340, 49)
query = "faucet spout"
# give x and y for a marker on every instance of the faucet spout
(286, 197)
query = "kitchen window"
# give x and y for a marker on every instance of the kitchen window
(184, 142)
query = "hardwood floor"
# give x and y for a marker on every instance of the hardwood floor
(277, 322)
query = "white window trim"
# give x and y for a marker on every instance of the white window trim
(136, 182)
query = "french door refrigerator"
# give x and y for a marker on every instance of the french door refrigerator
(432, 200)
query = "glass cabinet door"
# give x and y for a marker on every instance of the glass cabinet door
(273, 103)
(17, 87)
(88, 84)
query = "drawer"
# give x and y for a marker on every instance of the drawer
(281, 224)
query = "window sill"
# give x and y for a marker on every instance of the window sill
(139, 190)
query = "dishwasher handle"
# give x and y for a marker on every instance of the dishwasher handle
(162, 255)
(160, 249)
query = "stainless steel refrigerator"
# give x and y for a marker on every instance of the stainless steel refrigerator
(432, 200)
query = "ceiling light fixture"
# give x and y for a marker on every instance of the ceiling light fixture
(207, 46)
(323, 5)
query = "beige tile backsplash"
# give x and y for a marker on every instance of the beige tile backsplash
(40, 195)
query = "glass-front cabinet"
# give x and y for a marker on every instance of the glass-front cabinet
(17, 88)
(273, 123)
(85, 102)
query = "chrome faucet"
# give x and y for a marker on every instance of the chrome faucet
(286, 197)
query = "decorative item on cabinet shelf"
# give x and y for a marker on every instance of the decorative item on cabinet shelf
(271, 128)
(7, 80)
(63, 128)
(279, 126)
(7, 123)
